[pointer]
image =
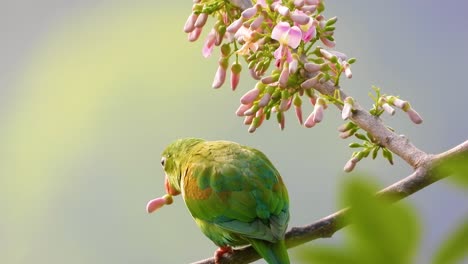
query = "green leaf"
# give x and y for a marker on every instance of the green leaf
(361, 136)
(355, 145)
(455, 247)
(388, 155)
(326, 255)
(352, 60)
(379, 232)
(375, 152)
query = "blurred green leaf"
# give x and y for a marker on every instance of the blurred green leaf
(455, 248)
(458, 168)
(379, 233)
(319, 254)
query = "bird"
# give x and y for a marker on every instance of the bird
(233, 192)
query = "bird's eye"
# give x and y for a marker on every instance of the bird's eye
(163, 161)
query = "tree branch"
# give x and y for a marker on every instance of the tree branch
(425, 174)
(398, 144)
(424, 165)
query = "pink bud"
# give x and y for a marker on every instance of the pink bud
(284, 76)
(264, 100)
(327, 42)
(283, 106)
(350, 165)
(300, 19)
(252, 128)
(293, 66)
(249, 12)
(193, 36)
(269, 79)
(282, 10)
(201, 20)
(388, 108)
(310, 83)
(310, 121)
(414, 116)
(257, 22)
(346, 134)
(254, 74)
(312, 2)
(318, 113)
(298, 3)
(248, 119)
(326, 54)
(312, 67)
(219, 78)
(157, 203)
(242, 108)
(235, 75)
(250, 96)
(400, 103)
(190, 23)
(298, 113)
(235, 26)
(347, 70)
(348, 105)
(340, 55)
(309, 9)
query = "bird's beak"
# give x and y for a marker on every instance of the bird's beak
(169, 189)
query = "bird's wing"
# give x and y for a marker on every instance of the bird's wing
(238, 189)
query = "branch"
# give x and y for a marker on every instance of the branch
(424, 165)
(425, 174)
(397, 144)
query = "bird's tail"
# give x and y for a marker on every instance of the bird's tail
(273, 253)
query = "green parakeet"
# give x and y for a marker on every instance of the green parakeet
(233, 192)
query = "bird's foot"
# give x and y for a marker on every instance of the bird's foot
(220, 252)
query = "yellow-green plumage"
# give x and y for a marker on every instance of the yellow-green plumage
(233, 192)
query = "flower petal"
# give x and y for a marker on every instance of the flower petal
(280, 30)
(295, 36)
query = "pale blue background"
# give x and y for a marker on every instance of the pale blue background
(92, 91)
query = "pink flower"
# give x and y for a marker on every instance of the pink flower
(286, 36)
(209, 43)
(248, 37)
(306, 24)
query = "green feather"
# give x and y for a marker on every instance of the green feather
(233, 192)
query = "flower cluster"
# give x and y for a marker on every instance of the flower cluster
(284, 35)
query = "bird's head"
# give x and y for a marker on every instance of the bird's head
(172, 160)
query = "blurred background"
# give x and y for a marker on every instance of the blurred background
(91, 92)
